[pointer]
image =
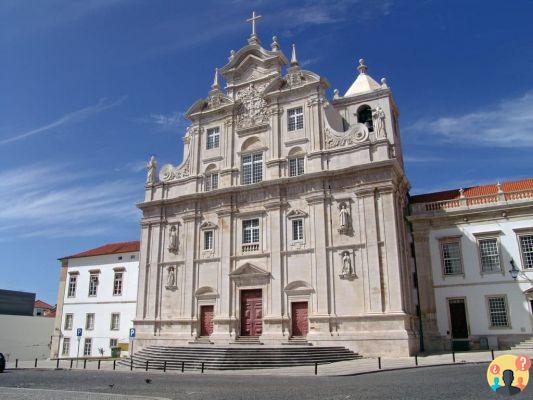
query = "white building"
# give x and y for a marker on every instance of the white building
(97, 293)
(464, 243)
(285, 217)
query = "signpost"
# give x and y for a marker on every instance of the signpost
(79, 332)
(132, 337)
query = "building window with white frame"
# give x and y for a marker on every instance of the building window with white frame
(209, 240)
(451, 256)
(211, 182)
(69, 318)
(250, 231)
(115, 321)
(93, 285)
(213, 138)
(489, 254)
(113, 342)
(297, 230)
(296, 166)
(498, 315)
(89, 321)
(72, 283)
(252, 168)
(87, 347)
(295, 119)
(117, 283)
(526, 250)
(65, 351)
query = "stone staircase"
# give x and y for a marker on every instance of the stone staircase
(236, 357)
(524, 345)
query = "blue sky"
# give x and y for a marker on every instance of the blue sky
(90, 89)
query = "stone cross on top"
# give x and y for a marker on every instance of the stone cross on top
(254, 18)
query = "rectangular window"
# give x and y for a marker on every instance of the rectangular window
(66, 347)
(213, 138)
(72, 281)
(498, 311)
(297, 229)
(87, 347)
(211, 182)
(296, 166)
(451, 257)
(115, 321)
(295, 119)
(93, 284)
(117, 283)
(113, 343)
(68, 321)
(252, 168)
(489, 254)
(208, 240)
(89, 321)
(250, 231)
(526, 249)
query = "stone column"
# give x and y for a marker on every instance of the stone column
(152, 272)
(143, 270)
(189, 269)
(57, 334)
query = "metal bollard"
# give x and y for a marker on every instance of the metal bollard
(416, 360)
(84, 363)
(165, 366)
(131, 363)
(147, 361)
(202, 367)
(182, 366)
(114, 364)
(453, 356)
(316, 368)
(57, 363)
(16, 363)
(379, 362)
(492, 353)
(35, 366)
(99, 364)
(71, 361)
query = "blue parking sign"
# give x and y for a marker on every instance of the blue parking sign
(132, 332)
(79, 331)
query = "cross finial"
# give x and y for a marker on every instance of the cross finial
(252, 20)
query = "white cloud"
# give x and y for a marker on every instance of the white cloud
(422, 159)
(172, 120)
(506, 124)
(69, 118)
(52, 200)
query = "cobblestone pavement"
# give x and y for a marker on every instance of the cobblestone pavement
(457, 381)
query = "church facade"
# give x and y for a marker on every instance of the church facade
(285, 218)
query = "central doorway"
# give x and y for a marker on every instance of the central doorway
(251, 312)
(459, 324)
(299, 318)
(206, 320)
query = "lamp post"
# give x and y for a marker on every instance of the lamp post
(514, 271)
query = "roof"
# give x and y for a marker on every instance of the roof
(474, 191)
(41, 304)
(364, 82)
(110, 248)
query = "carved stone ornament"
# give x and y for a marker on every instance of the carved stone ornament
(171, 278)
(253, 108)
(173, 240)
(151, 168)
(348, 271)
(378, 116)
(345, 219)
(169, 172)
(296, 214)
(357, 133)
(294, 78)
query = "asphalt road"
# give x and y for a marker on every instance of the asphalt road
(450, 382)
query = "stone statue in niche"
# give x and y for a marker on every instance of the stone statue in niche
(347, 267)
(150, 171)
(171, 277)
(378, 115)
(173, 240)
(344, 216)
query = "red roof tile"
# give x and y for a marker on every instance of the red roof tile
(475, 191)
(41, 304)
(110, 248)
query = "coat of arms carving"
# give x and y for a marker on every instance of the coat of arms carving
(253, 108)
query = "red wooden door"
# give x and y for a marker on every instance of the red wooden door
(206, 320)
(299, 319)
(251, 312)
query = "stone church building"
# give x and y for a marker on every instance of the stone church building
(285, 219)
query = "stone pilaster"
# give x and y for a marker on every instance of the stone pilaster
(57, 334)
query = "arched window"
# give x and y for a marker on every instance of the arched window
(211, 178)
(364, 116)
(252, 161)
(296, 161)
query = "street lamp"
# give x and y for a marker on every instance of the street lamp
(514, 271)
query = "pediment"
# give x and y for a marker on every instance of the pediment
(206, 292)
(299, 286)
(208, 225)
(249, 269)
(296, 214)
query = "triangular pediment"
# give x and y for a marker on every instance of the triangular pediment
(208, 225)
(249, 269)
(296, 214)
